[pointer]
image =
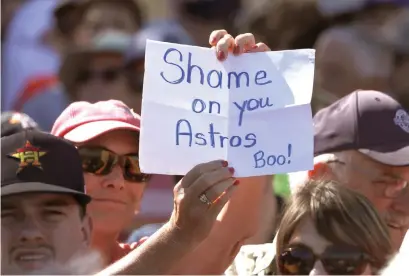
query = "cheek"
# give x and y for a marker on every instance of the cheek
(134, 191)
(6, 238)
(92, 183)
(67, 241)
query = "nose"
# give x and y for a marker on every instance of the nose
(401, 203)
(114, 180)
(318, 269)
(31, 231)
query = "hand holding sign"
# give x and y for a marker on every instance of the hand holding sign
(252, 110)
(243, 43)
(214, 183)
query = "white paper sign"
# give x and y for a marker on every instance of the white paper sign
(252, 110)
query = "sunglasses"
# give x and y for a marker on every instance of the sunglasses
(107, 75)
(337, 260)
(100, 161)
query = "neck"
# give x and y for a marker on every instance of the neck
(105, 243)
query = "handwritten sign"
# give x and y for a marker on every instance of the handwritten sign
(252, 110)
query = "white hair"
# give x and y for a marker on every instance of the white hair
(298, 179)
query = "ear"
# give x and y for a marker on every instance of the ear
(87, 229)
(321, 171)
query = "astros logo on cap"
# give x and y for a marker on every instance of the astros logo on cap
(28, 155)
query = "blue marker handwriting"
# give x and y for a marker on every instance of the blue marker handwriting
(261, 159)
(213, 78)
(213, 138)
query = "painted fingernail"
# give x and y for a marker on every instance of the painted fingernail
(231, 170)
(236, 50)
(236, 182)
(225, 163)
(221, 55)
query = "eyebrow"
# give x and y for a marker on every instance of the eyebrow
(56, 203)
(393, 176)
(7, 206)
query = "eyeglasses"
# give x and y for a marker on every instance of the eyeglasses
(394, 185)
(100, 161)
(337, 260)
(107, 75)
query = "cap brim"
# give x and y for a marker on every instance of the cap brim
(397, 158)
(31, 187)
(92, 130)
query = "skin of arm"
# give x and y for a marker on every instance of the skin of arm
(155, 256)
(237, 222)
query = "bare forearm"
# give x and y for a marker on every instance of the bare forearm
(238, 221)
(155, 256)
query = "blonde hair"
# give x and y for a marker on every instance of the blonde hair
(334, 209)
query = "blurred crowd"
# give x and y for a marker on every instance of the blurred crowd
(56, 52)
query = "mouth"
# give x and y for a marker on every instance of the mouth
(397, 226)
(31, 260)
(108, 200)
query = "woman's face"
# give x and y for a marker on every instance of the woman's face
(114, 199)
(306, 243)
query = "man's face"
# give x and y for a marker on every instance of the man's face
(114, 199)
(102, 16)
(382, 185)
(39, 231)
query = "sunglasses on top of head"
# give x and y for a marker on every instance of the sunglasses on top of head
(100, 161)
(336, 260)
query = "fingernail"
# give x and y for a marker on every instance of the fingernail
(225, 163)
(236, 50)
(254, 47)
(231, 170)
(236, 182)
(213, 40)
(221, 55)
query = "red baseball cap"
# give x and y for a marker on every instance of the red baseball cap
(84, 121)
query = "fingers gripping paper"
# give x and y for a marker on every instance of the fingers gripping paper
(252, 110)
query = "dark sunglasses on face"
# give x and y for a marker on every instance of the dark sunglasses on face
(336, 260)
(100, 161)
(107, 75)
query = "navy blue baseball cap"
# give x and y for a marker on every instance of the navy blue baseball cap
(165, 31)
(370, 122)
(38, 162)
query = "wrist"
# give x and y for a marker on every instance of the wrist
(178, 236)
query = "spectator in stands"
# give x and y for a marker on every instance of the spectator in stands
(370, 39)
(328, 229)
(79, 21)
(362, 142)
(45, 226)
(90, 73)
